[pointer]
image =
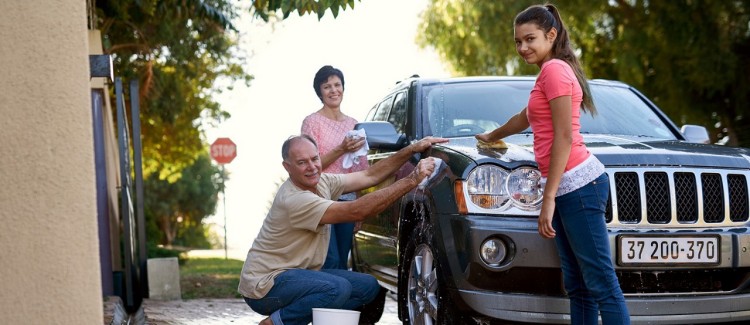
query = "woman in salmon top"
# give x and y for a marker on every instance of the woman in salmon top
(575, 184)
(329, 127)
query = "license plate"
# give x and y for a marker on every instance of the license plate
(671, 250)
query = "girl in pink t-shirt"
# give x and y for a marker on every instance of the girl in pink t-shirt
(576, 186)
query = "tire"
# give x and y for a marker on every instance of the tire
(423, 299)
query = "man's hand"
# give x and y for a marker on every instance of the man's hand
(426, 143)
(424, 169)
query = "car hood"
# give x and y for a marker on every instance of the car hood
(614, 151)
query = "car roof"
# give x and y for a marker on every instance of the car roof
(450, 80)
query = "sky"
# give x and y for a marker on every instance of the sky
(372, 44)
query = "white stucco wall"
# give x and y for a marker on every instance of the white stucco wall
(49, 262)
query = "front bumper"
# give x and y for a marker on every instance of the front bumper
(527, 287)
(643, 310)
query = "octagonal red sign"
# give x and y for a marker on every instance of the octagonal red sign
(223, 150)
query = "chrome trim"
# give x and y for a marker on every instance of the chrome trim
(670, 172)
(649, 310)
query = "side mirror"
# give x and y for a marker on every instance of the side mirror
(694, 133)
(382, 135)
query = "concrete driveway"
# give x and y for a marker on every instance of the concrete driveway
(223, 311)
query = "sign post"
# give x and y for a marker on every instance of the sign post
(223, 151)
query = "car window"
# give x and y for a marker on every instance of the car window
(621, 112)
(465, 109)
(371, 113)
(384, 108)
(398, 113)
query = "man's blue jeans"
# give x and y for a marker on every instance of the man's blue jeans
(296, 292)
(582, 242)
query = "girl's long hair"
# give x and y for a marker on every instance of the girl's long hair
(547, 16)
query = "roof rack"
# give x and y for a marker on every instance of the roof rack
(412, 76)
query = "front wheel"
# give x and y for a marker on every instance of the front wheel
(425, 300)
(422, 287)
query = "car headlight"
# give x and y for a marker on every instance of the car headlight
(486, 187)
(491, 187)
(524, 186)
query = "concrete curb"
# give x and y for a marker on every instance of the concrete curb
(114, 311)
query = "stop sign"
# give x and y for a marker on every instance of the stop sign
(223, 150)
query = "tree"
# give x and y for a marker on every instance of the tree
(178, 50)
(689, 56)
(177, 209)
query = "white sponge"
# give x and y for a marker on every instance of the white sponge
(438, 166)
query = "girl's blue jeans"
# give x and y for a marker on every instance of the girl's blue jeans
(583, 245)
(296, 292)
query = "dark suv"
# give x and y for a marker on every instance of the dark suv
(465, 250)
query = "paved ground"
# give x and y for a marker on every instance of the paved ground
(222, 311)
(205, 311)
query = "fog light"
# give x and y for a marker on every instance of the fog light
(493, 251)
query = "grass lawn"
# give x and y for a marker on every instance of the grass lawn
(210, 278)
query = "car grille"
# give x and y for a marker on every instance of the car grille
(679, 196)
(683, 281)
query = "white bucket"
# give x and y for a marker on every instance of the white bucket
(325, 316)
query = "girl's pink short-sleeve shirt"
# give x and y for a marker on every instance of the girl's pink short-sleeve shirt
(555, 79)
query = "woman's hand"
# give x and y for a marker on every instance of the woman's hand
(352, 144)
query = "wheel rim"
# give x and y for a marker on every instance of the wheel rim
(423, 287)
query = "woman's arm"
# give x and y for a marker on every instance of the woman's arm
(311, 128)
(346, 145)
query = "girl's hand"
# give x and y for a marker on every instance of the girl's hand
(545, 219)
(484, 137)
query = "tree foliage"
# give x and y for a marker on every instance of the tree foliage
(266, 8)
(178, 50)
(689, 56)
(176, 210)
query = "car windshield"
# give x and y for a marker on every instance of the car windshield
(467, 108)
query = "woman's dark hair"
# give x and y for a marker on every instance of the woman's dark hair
(322, 76)
(546, 17)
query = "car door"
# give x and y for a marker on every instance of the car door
(376, 241)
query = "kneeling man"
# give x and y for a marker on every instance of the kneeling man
(282, 275)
